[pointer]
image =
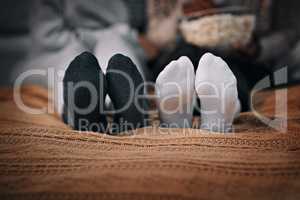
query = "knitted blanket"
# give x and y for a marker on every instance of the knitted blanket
(42, 158)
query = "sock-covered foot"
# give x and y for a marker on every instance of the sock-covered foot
(175, 92)
(216, 86)
(84, 93)
(126, 88)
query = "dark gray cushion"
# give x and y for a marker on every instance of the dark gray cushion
(14, 16)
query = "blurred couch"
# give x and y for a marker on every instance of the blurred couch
(14, 35)
(15, 41)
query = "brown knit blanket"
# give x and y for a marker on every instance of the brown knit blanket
(41, 158)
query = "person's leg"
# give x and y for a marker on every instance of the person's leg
(246, 70)
(53, 47)
(216, 87)
(175, 93)
(119, 39)
(84, 94)
(126, 89)
(51, 66)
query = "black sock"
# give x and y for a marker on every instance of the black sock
(84, 71)
(119, 90)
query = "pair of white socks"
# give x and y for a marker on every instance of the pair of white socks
(214, 84)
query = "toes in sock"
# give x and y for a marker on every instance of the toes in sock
(216, 86)
(84, 92)
(125, 88)
(175, 93)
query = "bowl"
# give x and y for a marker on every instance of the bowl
(219, 28)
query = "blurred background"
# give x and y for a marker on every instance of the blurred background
(160, 30)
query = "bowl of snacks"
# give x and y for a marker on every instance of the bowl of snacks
(222, 27)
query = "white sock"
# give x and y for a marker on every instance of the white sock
(216, 86)
(175, 93)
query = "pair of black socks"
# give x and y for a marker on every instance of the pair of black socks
(86, 87)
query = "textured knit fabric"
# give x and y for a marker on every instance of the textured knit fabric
(41, 158)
